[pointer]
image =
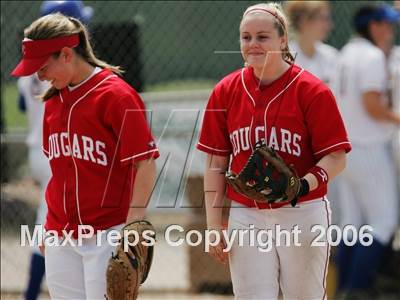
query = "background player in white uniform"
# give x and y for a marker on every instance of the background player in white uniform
(311, 23)
(293, 112)
(100, 149)
(30, 89)
(394, 73)
(368, 186)
(394, 79)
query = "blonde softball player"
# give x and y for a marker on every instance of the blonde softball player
(293, 112)
(100, 150)
(30, 88)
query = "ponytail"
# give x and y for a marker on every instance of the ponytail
(58, 25)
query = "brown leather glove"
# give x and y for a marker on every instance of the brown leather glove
(127, 270)
(266, 178)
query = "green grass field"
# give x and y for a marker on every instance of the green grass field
(13, 118)
(16, 120)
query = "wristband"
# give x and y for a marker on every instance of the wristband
(304, 188)
(320, 174)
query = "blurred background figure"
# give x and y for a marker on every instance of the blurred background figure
(394, 75)
(311, 24)
(29, 89)
(368, 193)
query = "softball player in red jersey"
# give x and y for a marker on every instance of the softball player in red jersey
(272, 99)
(100, 150)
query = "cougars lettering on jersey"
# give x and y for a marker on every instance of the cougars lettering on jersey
(83, 147)
(296, 115)
(91, 136)
(285, 140)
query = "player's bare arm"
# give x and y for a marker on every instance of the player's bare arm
(214, 189)
(144, 184)
(373, 105)
(214, 192)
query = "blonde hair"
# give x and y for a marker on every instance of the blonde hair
(58, 25)
(280, 22)
(303, 10)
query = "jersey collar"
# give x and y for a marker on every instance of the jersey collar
(267, 92)
(72, 96)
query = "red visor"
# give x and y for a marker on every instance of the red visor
(37, 52)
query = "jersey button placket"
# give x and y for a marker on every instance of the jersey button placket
(70, 191)
(67, 107)
(71, 205)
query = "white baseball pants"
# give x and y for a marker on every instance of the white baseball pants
(78, 272)
(300, 271)
(368, 191)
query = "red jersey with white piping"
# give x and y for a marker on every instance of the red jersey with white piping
(296, 115)
(92, 135)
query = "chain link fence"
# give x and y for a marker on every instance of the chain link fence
(177, 39)
(164, 46)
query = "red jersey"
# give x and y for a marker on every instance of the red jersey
(91, 136)
(296, 115)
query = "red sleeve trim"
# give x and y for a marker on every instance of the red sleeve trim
(141, 154)
(210, 150)
(343, 145)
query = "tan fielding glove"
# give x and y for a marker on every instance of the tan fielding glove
(127, 270)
